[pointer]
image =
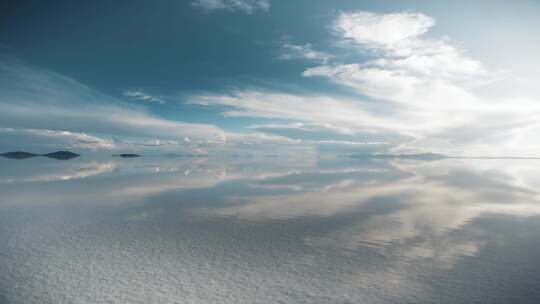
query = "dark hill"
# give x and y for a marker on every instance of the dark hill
(18, 155)
(61, 155)
(127, 155)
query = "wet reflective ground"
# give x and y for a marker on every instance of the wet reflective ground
(269, 230)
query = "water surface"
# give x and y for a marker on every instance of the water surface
(269, 230)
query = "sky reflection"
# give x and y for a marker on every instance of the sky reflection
(247, 230)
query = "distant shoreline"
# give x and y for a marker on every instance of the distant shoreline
(432, 156)
(66, 155)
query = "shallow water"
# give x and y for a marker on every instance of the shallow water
(269, 230)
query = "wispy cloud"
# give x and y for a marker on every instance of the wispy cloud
(306, 51)
(343, 117)
(302, 126)
(246, 6)
(316, 109)
(51, 139)
(142, 96)
(54, 110)
(327, 134)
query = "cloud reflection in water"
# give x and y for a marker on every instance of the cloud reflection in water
(259, 230)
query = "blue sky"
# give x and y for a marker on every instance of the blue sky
(219, 76)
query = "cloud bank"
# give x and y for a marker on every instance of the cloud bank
(419, 89)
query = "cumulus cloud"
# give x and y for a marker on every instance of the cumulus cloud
(430, 80)
(246, 6)
(423, 89)
(382, 30)
(408, 62)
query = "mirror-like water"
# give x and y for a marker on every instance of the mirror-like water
(271, 230)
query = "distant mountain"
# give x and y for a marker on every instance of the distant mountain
(63, 155)
(421, 156)
(127, 155)
(18, 155)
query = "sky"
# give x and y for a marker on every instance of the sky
(270, 77)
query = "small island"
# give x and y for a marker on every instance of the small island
(61, 155)
(126, 155)
(18, 155)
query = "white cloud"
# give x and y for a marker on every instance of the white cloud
(328, 135)
(415, 92)
(306, 51)
(287, 106)
(397, 86)
(338, 121)
(408, 62)
(141, 96)
(423, 91)
(246, 6)
(374, 30)
(430, 81)
(53, 102)
(41, 138)
(323, 110)
(303, 127)
(53, 110)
